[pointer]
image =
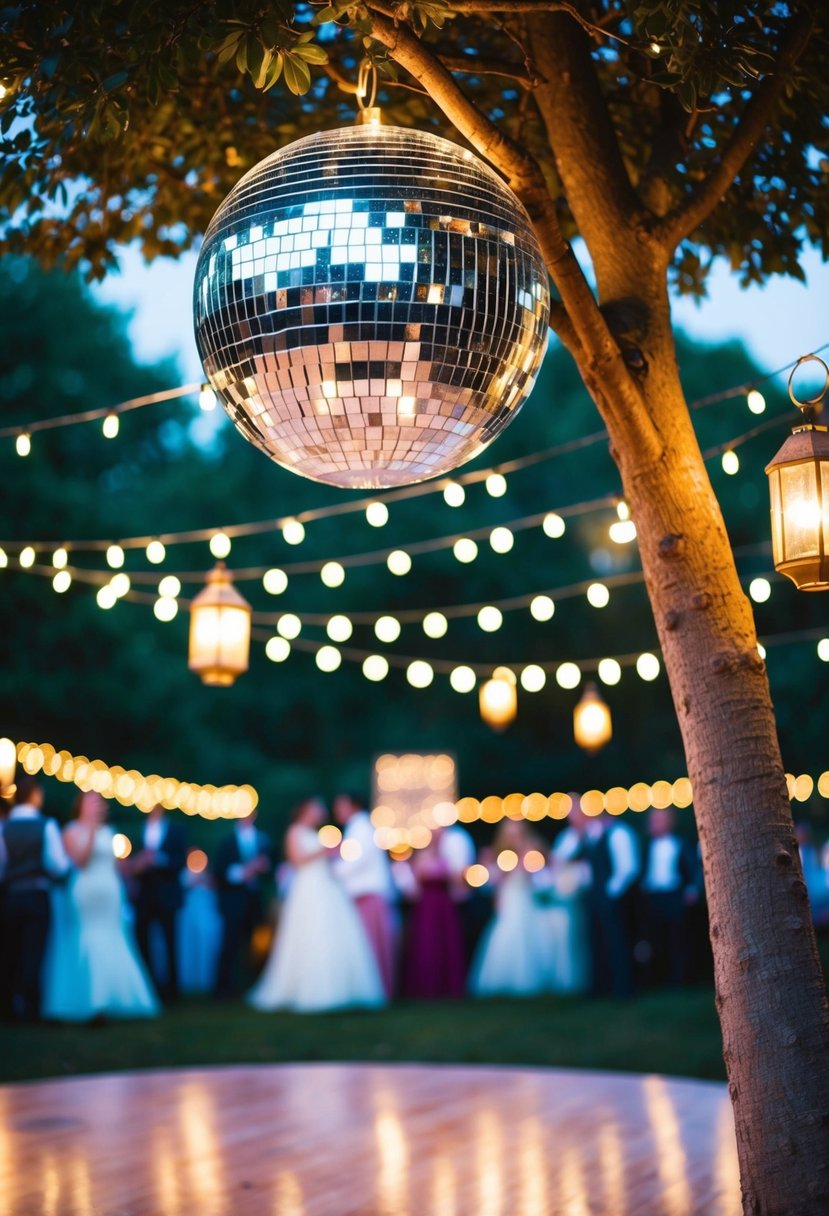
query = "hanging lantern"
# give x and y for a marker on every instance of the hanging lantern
(219, 630)
(592, 724)
(498, 699)
(8, 767)
(799, 490)
(371, 306)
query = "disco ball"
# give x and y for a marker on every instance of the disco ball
(371, 306)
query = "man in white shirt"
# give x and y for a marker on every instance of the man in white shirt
(669, 889)
(612, 851)
(366, 876)
(31, 857)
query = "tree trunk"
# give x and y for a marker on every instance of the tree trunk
(769, 989)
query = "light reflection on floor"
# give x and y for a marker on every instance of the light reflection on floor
(338, 1140)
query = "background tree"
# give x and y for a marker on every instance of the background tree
(660, 134)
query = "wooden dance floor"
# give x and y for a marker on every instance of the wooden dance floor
(359, 1140)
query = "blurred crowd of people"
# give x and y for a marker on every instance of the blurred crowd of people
(602, 910)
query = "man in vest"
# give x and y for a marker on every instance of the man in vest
(669, 889)
(31, 857)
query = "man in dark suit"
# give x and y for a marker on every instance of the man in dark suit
(156, 869)
(669, 888)
(243, 859)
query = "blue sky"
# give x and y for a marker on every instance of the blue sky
(777, 323)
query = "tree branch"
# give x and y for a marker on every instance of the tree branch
(577, 319)
(688, 216)
(606, 207)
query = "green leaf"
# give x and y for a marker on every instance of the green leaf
(297, 75)
(311, 53)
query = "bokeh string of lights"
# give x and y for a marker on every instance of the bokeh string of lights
(130, 787)
(398, 559)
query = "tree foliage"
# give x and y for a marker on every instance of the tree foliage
(129, 121)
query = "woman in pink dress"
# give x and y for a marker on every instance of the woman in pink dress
(434, 967)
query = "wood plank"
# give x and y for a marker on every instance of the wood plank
(361, 1140)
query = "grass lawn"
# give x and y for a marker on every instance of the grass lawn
(674, 1033)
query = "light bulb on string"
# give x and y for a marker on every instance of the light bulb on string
(60, 558)
(568, 675)
(501, 540)
(106, 597)
(592, 723)
(220, 545)
(111, 426)
(62, 581)
(27, 557)
(553, 525)
(730, 462)
(598, 595)
(155, 552)
(169, 587)
(755, 401)
(454, 495)
(115, 557)
(165, 608)
(533, 678)
(760, 590)
(465, 550)
(328, 658)
(293, 531)
(289, 626)
(332, 574)
(275, 581)
(541, 607)
(375, 667)
(399, 562)
(647, 666)
(496, 485)
(277, 649)
(4, 559)
(387, 629)
(462, 679)
(823, 650)
(610, 672)
(419, 673)
(207, 398)
(490, 618)
(498, 699)
(120, 584)
(377, 514)
(23, 443)
(435, 624)
(339, 628)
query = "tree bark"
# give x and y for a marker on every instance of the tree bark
(770, 995)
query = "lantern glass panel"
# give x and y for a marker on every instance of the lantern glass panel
(801, 510)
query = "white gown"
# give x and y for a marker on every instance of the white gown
(564, 919)
(321, 958)
(93, 967)
(513, 957)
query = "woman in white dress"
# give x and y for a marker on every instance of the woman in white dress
(93, 969)
(512, 958)
(321, 958)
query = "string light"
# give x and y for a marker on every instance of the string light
(131, 788)
(568, 675)
(165, 608)
(755, 401)
(275, 581)
(501, 540)
(730, 462)
(23, 444)
(332, 574)
(111, 426)
(823, 650)
(498, 699)
(490, 619)
(399, 562)
(496, 485)
(377, 514)
(375, 667)
(435, 625)
(62, 581)
(542, 607)
(220, 545)
(120, 584)
(207, 398)
(328, 658)
(553, 525)
(647, 667)
(115, 557)
(454, 495)
(598, 595)
(277, 649)
(339, 629)
(289, 626)
(106, 597)
(169, 587)
(293, 532)
(462, 679)
(465, 550)
(4, 559)
(27, 557)
(610, 671)
(420, 674)
(760, 590)
(387, 629)
(155, 552)
(533, 678)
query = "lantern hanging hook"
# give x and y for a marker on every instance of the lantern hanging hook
(812, 405)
